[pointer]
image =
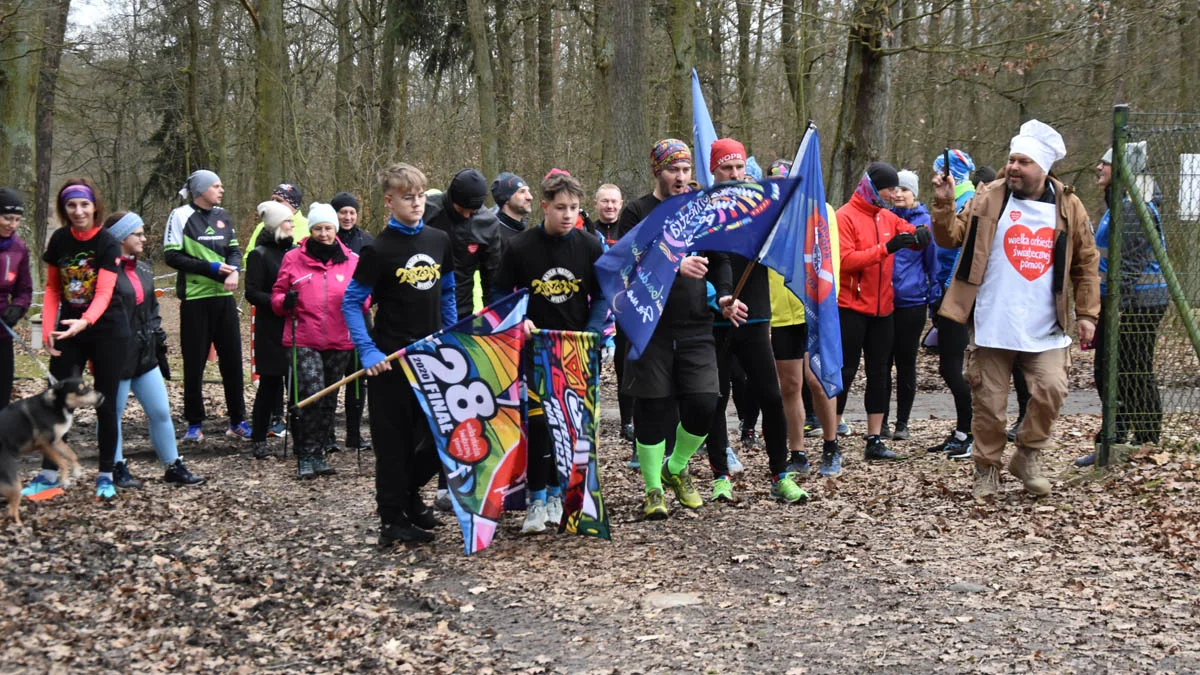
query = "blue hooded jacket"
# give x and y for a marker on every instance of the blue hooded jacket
(914, 273)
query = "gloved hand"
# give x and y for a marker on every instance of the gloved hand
(290, 299)
(902, 240)
(923, 236)
(12, 315)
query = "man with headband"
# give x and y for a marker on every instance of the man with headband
(1023, 237)
(674, 379)
(201, 243)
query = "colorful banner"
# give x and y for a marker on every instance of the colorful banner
(468, 380)
(801, 249)
(638, 271)
(566, 374)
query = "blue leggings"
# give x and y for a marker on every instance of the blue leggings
(151, 392)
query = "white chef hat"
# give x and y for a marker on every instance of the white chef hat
(1040, 142)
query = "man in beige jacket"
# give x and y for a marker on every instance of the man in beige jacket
(1022, 235)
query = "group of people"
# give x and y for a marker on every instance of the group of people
(995, 264)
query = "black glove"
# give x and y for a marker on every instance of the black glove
(12, 314)
(923, 237)
(902, 240)
(290, 299)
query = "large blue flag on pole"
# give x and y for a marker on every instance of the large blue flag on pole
(636, 274)
(801, 250)
(703, 133)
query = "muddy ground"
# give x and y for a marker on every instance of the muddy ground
(889, 568)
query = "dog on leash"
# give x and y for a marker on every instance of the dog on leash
(40, 423)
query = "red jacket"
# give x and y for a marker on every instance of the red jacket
(319, 322)
(866, 279)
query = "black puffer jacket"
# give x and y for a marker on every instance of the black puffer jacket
(476, 244)
(144, 321)
(262, 269)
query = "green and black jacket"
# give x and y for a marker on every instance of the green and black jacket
(195, 239)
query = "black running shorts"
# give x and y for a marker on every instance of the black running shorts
(789, 342)
(669, 368)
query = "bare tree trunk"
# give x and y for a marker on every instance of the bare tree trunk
(1189, 48)
(545, 72)
(387, 74)
(502, 74)
(681, 22)
(484, 88)
(790, 48)
(344, 80)
(218, 136)
(529, 45)
(270, 66)
(602, 58)
(20, 36)
(56, 29)
(631, 148)
(745, 85)
(862, 122)
(716, 83)
(198, 153)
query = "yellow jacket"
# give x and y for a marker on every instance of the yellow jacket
(786, 308)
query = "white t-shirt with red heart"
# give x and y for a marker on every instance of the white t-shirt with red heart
(1014, 308)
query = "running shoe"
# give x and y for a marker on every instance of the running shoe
(535, 518)
(627, 432)
(634, 463)
(278, 429)
(123, 478)
(878, 450)
(843, 429)
(105, 490)
(900, 433)
(441, 501)
(554, 510)
(786, 490)
(683, 487)
(831, 463)
(798, 466)
(241, 430)
(41, 488)
(178, 474)
(750, 439)
(961, 449)
(812, 426)
(733, 463)
(722, 490)
(193, 435)
(655, 507)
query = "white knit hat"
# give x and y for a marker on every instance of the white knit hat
(319, 212)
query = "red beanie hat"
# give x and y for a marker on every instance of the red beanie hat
(725, 150)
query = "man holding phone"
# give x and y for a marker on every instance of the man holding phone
(1021, 237)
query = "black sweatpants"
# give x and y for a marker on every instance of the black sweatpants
(314, 423)
(205, 322)
(953, 339)
(869, 338)
(1139, 404)
(624, 401)
(908, 324)
(270, 392)
(751, 345)
(107, 355)
(405, 456)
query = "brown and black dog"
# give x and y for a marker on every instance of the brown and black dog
(40, 423)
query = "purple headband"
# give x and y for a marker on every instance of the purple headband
(76, 192)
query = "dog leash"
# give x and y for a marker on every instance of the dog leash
(32, 354)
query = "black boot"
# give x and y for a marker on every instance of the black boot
(390, 533)
(122, 478)
(876, 449)
(320, 466)
(304, 467)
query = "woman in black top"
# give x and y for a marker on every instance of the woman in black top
(271, 359)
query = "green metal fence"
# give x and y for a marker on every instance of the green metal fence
(1148, 323)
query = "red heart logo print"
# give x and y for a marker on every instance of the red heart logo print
(467, 443)
(1014, 216)
(1030, 253)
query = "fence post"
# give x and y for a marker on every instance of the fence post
(1110, 314)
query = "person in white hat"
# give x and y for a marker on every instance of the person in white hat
(1026, 239)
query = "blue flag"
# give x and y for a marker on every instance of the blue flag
(801, 250)
(703, 133)
(636, 274)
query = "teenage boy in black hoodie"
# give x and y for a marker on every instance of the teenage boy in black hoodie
(556, 263)
(405, 271)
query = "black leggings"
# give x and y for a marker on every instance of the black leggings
(751, 345)
(908, 323)
(356, 399)
(657, 416)
(6, 374)
(1139, 404)
(744, 399)
(624, 401)
(871, 338)
(270, 392)
(204, 322)
(107, 355)
(952, 343)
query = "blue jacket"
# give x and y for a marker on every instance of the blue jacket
(947, 258)
(914, 273)
(1142, 282)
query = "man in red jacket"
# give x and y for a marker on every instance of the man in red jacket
(869, 235)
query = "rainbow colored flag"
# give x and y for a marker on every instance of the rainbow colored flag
(566, 375)
(468, 380)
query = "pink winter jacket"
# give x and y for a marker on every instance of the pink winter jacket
(319, 322)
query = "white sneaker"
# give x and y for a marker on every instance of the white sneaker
(554, 511)
(535, 518)
(733, 463)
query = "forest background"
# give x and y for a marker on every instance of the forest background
(323, 93)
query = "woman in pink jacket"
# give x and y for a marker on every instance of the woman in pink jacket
(308, 293)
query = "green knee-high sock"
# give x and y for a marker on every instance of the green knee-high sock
(650, 457)
(686, 445)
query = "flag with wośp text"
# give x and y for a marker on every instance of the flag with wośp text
(801, 250)
(566, 375)
(638, 271)
(468, 380)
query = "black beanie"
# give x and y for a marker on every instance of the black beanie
(468, 189)
(343, 199)
(883, 175)
(10, 202)
(505, 186)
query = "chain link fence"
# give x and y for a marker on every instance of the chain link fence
(1150, 240)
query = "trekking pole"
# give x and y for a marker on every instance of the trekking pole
(53, 380)
(293, 385)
